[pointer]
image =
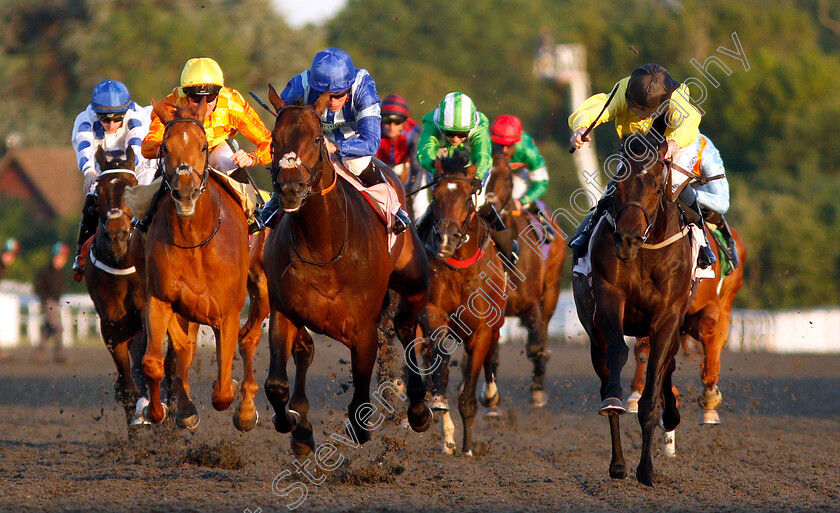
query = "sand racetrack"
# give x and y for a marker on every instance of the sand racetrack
(64, 445)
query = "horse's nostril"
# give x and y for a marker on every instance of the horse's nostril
(176, 195)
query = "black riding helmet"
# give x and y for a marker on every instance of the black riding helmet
(649, 87)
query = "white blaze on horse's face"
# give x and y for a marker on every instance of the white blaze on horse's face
(452, 186)
(289, 161)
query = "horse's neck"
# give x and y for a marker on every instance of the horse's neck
(320, 213)
(667, 222)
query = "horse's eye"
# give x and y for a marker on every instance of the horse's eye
(319, 139)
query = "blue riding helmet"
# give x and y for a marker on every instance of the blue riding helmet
(332, 69)
(110, 96)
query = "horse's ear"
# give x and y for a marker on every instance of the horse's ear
(200, 110)
(275, 99)
(320, 104)
(100, 157)
(163, 110)
(129, 156)
(663, 149)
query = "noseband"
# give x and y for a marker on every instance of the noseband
(462, 228)
(183, 168)
(649, 220)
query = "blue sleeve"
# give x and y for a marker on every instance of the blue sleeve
(293, 91)
(368, 119)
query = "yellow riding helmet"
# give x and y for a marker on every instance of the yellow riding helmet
(202, 75)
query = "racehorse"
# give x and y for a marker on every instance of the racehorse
(194, 263)
(112, 282)
(329, 269)
(467, 294)
(640, 285)
(706, 321)
(535, 285)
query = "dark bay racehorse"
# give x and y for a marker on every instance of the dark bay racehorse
(195, 263)
(535, 285)
(706, 321)
(111, 279)
(638, 292)
(467, 294)
(329, 269)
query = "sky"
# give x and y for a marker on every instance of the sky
(300, 12)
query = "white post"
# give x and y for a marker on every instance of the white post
(566, 64)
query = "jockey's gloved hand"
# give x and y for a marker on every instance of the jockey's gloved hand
(526, 202)
(90, 180)
(476, 184)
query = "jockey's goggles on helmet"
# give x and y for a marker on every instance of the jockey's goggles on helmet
(393, 120)
(209, 90)
(456, 133)
(110, 117)
(339, 94)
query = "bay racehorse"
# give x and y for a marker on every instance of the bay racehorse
(329, 269)
(637, 287)
(112, 281)
(706, 321)
(534, 286)
(467, 294)
(195, 262)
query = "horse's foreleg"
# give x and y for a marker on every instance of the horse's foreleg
(664, 344)
(714, 330)
(406, 323)
(362, 360)
(641, 351)
(124, 387)
(281, 335)
(158, 315)
(303, 351)
(246, 415)
(186, 414)
(482, 347)
(536, 351)
(224, 390)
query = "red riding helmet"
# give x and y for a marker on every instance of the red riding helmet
(506, 130)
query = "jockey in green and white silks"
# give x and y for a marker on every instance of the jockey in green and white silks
(457, 125)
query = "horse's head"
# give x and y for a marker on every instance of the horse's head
(183, 153)
(452, 202)
(114, 215)
(499, 189)
(299, 151)
(639, 191)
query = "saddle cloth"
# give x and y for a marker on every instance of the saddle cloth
(584, 264)
(381, 197)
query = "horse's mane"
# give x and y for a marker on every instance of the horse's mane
(638, 144)
(456, 164)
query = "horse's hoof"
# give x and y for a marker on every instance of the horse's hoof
(468, 453)
(190, 422)
(146, 414)
(493, 413)
(538, 398)
(644, 478)
(709, 417)
(618, 472)
(448, 448)
(633, 402)
(612, 406)
(422, 422)
(246, 425)
(302, 442)
(439, 403)
(493, 393)
(292, 417)
(140, 418)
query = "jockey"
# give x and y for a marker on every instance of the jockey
(713, 197)
(227, 114)
(398, 148)
(351, 119)
(457, 125)
(649, 99)
(113, 122)
(530, 173)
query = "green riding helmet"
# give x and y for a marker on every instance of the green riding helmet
(456, 113)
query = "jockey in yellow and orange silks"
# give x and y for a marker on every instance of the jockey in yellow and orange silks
(648, 94)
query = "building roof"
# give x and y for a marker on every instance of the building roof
(51, 174)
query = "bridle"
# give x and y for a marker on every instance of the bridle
(183, 168)
(114, 213)
(649, 220)
(460, 234)
(314, 176)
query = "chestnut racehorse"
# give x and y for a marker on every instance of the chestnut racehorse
(707, 321)
(535, 285)
(329, 269)
(196, 265)
(467, 294)
(638, 291)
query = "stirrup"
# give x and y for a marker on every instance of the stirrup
(255, 224)
(401, 221)
(706, 257)
(141, 224)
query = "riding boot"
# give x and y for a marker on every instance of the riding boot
(550, 233)
(143, 223)
(87, 227)
(270, 213)
(502, 236)
(580, 241)
(371, 176)
(687, 201)
(717, 219)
